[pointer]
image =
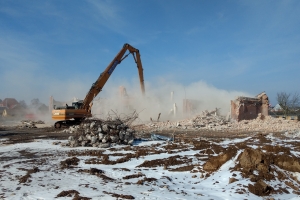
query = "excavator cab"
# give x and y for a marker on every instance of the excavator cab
(77, 105)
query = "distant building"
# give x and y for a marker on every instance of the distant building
(277, 107)
(16, 112)
(9, 103)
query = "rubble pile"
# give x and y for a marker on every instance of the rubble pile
(209, 120)
(100, 133)
(206, 120)
(214, 122)
(268, 123)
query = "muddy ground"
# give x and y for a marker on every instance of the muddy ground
(23, 135)
(15, 134)
(271, 159)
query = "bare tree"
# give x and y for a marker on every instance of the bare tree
(288, 103)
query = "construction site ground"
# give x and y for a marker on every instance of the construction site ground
(16, 135)
(205, 164)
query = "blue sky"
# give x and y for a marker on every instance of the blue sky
(60, 47)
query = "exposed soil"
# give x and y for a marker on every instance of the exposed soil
(142, 181)
(26, 178)
(133, 176)
(70, 162)
(122, 196)
(72, 193)
(17, 135)
(260, 165)
(215, 162)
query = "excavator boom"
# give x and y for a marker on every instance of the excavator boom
(100, 82)
(83, 110)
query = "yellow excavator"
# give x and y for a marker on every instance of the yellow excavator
(72, 115)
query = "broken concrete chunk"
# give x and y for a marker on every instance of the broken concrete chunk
(94, 139)
(92, 125)
(83, 143)
(114, 138)
(71, 138)
(73, 143)
(88, 137)
(104, 145)
(105, 128)
(100, 136)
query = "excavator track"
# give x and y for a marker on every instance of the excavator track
(67, 123)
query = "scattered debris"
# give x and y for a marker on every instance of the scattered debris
(214, 122)
(30, 123)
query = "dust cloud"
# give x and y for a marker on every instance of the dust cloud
(162, 97)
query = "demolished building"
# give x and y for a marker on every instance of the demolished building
(247, 108)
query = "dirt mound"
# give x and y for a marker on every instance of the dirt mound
(68, 163)
(215, 162)
(255, 159)
(133, 176)
(262, 166)
(68, 193)
(72, 193)
(106, 161)
(92, 171)
(207, 147)
(260, 188)
(122, 196)
(277, 149)
(173, 160)
(182, 169)
(288, 162)
(141, 182)
(97, 172)
(94, 153)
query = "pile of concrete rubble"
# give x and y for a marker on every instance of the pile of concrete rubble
(100, 133)
(267, 124)
(212, 121)
(206, 120)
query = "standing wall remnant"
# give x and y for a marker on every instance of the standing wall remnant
(247, 108)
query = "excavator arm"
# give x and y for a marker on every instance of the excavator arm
(104, 76)
(79, 111)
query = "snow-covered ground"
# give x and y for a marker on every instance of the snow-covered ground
(46, 178)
